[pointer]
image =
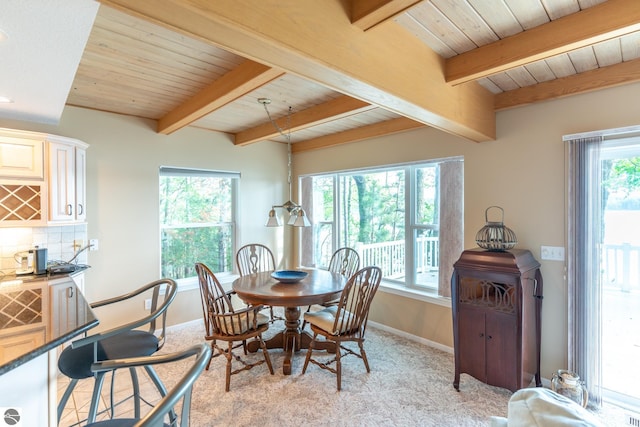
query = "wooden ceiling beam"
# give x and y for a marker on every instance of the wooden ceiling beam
(366, 14)
(599, 78)
(238, 82)
(388, 67)
(613, 18)
(387, 127)
(335, 109)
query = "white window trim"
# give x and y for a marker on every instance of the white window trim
(191, 283)
(422, 294)
(415, 294)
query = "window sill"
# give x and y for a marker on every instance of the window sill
(426, 296)
(191, 283)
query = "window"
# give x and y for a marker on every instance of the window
(392, 217)
(197, 221)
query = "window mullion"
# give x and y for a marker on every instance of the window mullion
(410, 230)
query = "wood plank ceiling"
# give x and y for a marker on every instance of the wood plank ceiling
(384, 66)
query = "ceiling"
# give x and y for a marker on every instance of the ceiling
(347, 69)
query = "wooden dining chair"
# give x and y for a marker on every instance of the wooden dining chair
(255, 258)
(345, 322)
(224, 323)
(344, 261)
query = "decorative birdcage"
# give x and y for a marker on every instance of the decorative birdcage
(495, 236)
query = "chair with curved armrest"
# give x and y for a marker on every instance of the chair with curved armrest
(164, 412)
(224, 323)
(123, 341)
(345, 261)
(256, 258)
(345, 322)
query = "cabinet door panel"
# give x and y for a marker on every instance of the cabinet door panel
(64, 297)
(21, 158)
(61, 182)
(472, 342)
(80, 177)
(501, 350)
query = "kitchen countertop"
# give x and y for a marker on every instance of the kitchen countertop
(26, 278)
(37, 314)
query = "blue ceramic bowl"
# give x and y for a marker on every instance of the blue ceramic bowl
(289, 276)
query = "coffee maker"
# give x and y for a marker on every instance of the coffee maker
(39, 260)
(33, 261)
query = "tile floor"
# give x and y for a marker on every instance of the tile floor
(77, 408)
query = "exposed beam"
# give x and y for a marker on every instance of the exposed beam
(600, 78)
(388, 67)
(238, 82)
(607, 20)
(332, 110)
(366, 14)
(387, 127)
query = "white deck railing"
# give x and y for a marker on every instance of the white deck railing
(390, 256)
(621, 267)
(620, 263)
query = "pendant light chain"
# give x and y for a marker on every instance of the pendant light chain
(298, 217)
(287, 136)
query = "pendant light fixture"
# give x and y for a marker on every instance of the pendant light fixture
(297, 216)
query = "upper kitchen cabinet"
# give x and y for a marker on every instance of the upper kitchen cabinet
(67, 175)
(23, 190)
(42, 179)
(21, 154)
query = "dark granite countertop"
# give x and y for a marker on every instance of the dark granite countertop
(37, 314)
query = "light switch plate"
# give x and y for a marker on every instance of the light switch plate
(552, 253)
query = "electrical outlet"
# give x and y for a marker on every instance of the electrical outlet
(94, 244)
(552, 253)
(77, 244)
(147, 304)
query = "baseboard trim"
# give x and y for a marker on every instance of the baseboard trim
(411, 337)
(371, 323)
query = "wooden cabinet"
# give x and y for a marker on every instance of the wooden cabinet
(37, 317)
(64, 298)
(67, 193)
(42, 179)
(21, 155)
(22, 185)
(79, 280)
(496, 306)
(22, 203)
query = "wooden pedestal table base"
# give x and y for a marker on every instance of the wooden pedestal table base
(291, 339)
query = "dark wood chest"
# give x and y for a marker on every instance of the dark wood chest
(496, 305)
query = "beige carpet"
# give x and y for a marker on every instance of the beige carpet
(410, 384)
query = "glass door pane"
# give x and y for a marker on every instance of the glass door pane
(621, 275)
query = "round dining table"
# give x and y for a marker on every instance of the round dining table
(319, 286)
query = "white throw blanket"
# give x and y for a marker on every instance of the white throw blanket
(531, 407)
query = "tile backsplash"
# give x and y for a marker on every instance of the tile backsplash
(59, 241)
